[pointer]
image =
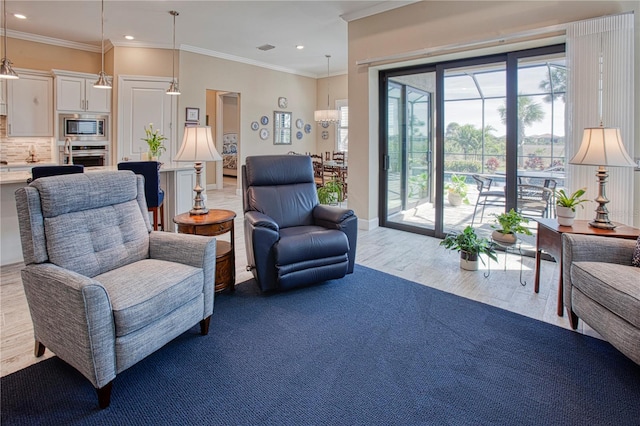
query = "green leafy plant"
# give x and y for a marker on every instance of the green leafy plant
(458, 185)
(418, 184)
(511, 223)
(330, 192)
(570, 201)
(469, 242)
(155, 141)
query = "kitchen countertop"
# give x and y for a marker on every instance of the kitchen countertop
(22, 175)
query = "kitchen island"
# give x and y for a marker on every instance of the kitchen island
(176, 179)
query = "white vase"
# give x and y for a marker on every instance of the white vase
(468, 262)
(504, 239)
(566, 215)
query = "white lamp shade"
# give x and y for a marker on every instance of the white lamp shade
(602, 146)
(197, 145)
(327, 115)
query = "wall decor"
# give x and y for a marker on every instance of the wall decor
(325, 134)
(264, 134)
(299, 135)
(299, 123)
(282, 102)
(281, 128)
(193, 114)
(307, 128)
(264, 120)
(254, 125)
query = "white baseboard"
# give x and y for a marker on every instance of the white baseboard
(368, 225)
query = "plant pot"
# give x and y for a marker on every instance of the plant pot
(468, 261)
(454, 199)
(566, 215)
(504, 239)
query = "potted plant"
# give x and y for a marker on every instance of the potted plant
(418, 185)
(155, 142)
(566, 205)
(470, 246)
(457, 190)
(509, 224)
(330, 192)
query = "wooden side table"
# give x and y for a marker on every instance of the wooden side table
(215, 222)
(550, 240)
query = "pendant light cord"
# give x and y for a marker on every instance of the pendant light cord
(4, 21)
(173, 52)
(328, 83)
(102, 22)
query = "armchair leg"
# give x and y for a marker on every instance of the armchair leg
(39, 349)
(204, 325)
(104, 395)
(573, 320)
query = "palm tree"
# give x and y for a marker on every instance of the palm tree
(529, 112)
(555, 85)
(467, 136)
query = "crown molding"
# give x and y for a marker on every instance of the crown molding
(381, 7)
(55, 41)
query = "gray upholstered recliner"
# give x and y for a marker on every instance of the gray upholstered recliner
(291, 239)
(104, 291)
(602, 288)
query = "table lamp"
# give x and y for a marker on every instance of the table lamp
(198, 146)
(602, 146)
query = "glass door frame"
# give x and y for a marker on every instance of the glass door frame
(511, 60)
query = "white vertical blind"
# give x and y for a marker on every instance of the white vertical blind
(609, 37)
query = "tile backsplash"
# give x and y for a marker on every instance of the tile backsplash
(16, 150)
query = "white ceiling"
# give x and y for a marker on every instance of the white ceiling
(227, 29)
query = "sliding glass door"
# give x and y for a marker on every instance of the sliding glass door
(461, 139)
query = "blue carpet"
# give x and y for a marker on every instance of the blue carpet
(368, 349)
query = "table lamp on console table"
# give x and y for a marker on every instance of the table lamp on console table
(198, 146)
(602, 146)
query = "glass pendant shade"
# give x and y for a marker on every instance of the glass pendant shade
(6, 71)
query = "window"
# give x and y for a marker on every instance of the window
(342, 130)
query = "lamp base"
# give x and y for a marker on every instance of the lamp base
(602, 225)
(198, 202)
(601, 220)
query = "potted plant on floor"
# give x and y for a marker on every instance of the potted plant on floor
(508, 225)
(566, 205)
(330, 192)
(470, 246)
(418, 185)
(457, 190)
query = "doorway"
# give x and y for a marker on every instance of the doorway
(223, 116)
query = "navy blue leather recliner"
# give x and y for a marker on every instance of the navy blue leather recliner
(291, 239)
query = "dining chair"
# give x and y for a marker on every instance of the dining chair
(486, 196)
(152, 191)
(318, 169)
(45, 171)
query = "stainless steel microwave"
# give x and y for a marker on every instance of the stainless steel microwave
(84, 127)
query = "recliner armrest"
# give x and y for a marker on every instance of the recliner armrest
(261, 220)
(593, 248)
(331, 214)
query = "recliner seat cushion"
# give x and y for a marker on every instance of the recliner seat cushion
(620, 295)
(160, 288)
(302, 243)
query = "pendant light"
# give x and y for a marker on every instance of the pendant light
(173, 88)
(103, 82)
(326, 116)
(5, 68)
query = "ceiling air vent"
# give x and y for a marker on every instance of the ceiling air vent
(266, 47)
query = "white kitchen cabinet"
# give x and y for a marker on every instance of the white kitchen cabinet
(30, 105)
(3, 97)
(77, 94)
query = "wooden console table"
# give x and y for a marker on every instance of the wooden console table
(550, 240)
(215, 222)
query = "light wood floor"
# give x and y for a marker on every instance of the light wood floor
(410, 256)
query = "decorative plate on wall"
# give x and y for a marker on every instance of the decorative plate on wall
(282, 102)
(264, 134)
(264, 120)
(299, 123)
(325, 124)
(299, 135)
(325, 134)
(254, 125)
(307, 128)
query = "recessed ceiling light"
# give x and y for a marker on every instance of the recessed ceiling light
(299, 47)
(19, 16)
(128, 37)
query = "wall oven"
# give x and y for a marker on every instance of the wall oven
(86, 155)
(84, 127)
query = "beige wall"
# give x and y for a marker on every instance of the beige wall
(431, 24)
(45, 57)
